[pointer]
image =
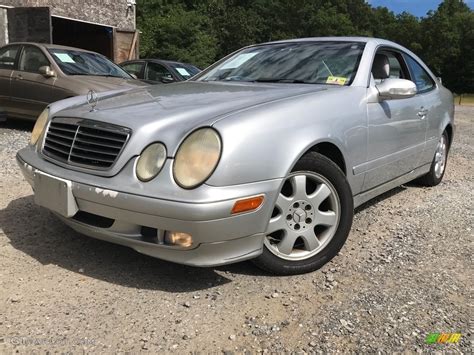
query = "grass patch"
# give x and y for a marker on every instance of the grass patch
(465, 99)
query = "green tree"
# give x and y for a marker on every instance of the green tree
(235, 24)
(204, 31)
(172, 30)
(448, 45)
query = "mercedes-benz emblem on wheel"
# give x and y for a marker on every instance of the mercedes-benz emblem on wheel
(92, 99)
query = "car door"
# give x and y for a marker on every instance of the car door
(396, 131)
(31, 92)
(433, 106)
(135, 68)
(8, 60)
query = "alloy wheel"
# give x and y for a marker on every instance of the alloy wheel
(305, 218)
(440, 157)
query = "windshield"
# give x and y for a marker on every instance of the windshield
(332, 63)
(74, 62)
(184, 70)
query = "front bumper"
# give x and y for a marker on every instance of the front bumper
(218, 237)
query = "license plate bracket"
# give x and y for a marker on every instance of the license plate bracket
(55, 194)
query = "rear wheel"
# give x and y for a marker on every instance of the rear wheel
(311, 219)
(438, 165)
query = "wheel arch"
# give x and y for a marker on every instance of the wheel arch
(327, 148)
(449, 130)
(332, 152)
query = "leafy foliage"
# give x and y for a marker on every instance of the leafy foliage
(201, 32)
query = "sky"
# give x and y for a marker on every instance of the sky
(416, 7)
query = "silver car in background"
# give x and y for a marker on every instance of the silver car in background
(264, 155)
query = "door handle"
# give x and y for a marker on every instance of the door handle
(422, 113)
(19, 77)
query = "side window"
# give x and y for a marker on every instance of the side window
(8, 57)
(134, 68)
(388, 65)
(32, 59)
(421, 78)
(155, 71)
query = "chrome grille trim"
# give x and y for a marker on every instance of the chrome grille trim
(84, 143)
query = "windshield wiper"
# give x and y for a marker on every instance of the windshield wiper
(281, 80)
(109, 76)
(103, 75)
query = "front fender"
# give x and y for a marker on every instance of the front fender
(265, 142)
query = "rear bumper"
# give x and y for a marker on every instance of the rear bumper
(218, 237)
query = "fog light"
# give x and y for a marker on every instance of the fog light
(247, 204)
(179, 239)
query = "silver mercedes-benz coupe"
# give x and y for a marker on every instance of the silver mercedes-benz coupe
(264, 155)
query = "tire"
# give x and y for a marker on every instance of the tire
(438, 165)
(318, 198)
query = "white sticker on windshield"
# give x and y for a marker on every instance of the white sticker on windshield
(239, 60)
(64, 57)
(183, 71)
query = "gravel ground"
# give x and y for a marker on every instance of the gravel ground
(405, 271)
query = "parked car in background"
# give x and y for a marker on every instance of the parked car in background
(156, 71)
(33, 75)
(264, 155)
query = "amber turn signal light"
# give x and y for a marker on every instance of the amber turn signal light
(247, 204)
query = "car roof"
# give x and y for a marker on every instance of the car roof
(377, 41)
(49, 46)
(157, 60)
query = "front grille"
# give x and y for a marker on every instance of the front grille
(84, 143)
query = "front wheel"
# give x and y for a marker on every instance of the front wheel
(311, 219)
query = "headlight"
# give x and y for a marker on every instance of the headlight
(151, 161)
(197, 157)
(39, 126)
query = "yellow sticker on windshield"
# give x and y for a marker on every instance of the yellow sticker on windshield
(338, 80)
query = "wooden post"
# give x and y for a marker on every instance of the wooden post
(132, 47)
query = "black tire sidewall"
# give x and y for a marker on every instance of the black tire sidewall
(316, 163)
(430, 179)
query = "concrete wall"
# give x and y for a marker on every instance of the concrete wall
(3, 27)
(107, 12)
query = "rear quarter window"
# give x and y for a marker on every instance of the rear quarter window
(420, 77)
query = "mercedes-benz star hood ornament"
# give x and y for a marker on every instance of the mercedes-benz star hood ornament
(92, 99)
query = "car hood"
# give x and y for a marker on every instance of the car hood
(167, 113)
(84, 83)
(190, 103)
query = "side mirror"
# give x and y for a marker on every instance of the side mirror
(440, 79)
(167, 79)
(47, 72)
(395, 89)
(133, 76)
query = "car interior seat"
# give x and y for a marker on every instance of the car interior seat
(32, 64)
(152, 75)
(381, 67)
